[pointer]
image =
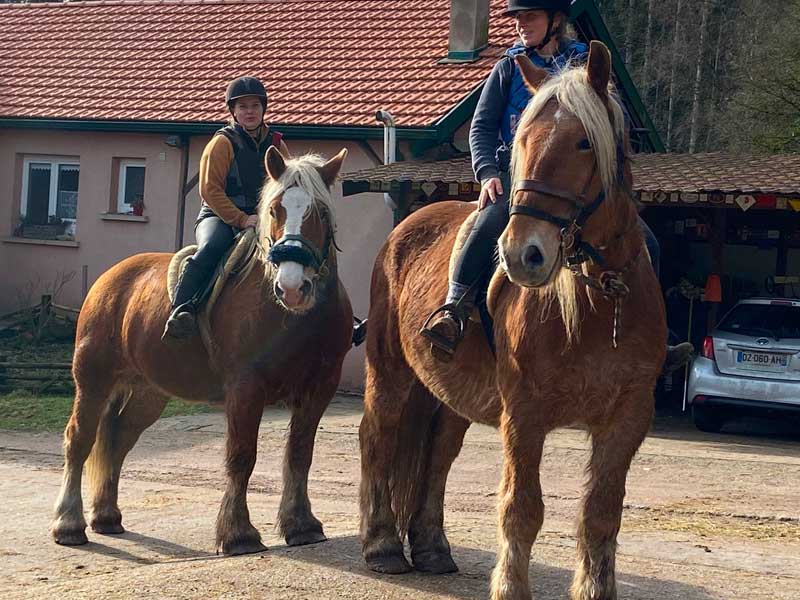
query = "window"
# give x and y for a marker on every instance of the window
(49, 202)
(130, 195)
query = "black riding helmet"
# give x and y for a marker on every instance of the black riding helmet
(551, 6)
(515, 6)
(245, 86)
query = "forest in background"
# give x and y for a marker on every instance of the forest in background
(714, 74)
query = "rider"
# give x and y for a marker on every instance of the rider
(232, 172)
(542, 28)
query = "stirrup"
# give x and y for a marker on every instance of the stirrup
(438, 340)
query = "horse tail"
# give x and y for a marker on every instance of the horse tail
(100, 464)
(409, 470)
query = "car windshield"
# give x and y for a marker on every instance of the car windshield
(773, 320)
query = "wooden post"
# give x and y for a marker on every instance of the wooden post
(717, 266)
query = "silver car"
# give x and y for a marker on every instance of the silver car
(749, 363)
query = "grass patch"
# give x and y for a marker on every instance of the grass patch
(25, 411)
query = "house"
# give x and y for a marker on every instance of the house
(106, 107)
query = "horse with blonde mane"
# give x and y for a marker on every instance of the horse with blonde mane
(579, 332)
(279, 332)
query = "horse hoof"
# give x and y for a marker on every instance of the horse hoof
(107, 528)
(305, 538)
(241, 547)
(390, 564)
(70, 538)
(436, 563)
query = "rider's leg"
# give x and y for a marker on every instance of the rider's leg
(678, 355)
(214, 238)
(446, 326)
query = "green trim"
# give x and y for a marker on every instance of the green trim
(447, 125)
(207, 128)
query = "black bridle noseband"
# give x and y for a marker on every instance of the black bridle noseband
(306, 254)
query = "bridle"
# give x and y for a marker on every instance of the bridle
(574, 250)
(307, 253)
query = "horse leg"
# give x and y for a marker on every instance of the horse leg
(387, 389)
(613, 449)
(296, 522)
(521, 510)
(430, 550)
(91, 397)
(116, 436)
(244, 408)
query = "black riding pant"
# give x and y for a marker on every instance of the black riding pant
(214, 238)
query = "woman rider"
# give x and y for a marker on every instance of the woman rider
(542, 28)
(232, 172)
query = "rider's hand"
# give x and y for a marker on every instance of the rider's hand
(251, 221)
(491, 190)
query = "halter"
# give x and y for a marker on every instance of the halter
(306, 254)
(574, 250)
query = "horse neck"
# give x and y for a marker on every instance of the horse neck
(625, 238)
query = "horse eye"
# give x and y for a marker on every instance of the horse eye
(584, 144)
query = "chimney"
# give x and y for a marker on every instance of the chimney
(469, 30)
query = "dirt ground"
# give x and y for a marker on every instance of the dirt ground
(706, 517)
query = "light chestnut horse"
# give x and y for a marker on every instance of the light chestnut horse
(280, 332)
(578, 343)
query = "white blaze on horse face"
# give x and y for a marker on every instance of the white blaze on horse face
(291, 276)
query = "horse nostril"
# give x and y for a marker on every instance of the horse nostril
(532, 258)
(278, 291)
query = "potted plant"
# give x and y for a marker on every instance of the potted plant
(137, 205)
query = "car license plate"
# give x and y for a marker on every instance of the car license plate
(762, 361)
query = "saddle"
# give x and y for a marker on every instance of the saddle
(236, 262)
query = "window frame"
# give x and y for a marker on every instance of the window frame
(124, 208)
(55, 163)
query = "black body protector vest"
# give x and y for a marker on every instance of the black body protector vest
(247, 171)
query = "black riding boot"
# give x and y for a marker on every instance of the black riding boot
(446, 326)
(181, 323)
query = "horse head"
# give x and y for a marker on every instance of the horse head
(568, 164)
(299, 225)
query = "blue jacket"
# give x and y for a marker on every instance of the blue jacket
(503, 99)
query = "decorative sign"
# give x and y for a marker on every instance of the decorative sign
(745, 202)
(660, 196)
(374, 186)
(782, 204)
(452, 189)
(764, 201)
(465, 188)
(689, 198)
(415, 186)
(476, 187)
(428, 187)
(795, 204)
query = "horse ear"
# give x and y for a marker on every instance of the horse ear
(275, 163)
(330, 169)
(599, 68)
(532, 75)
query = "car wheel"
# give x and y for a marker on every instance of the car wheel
(705, 420)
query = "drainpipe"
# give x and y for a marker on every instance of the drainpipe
(181, 142)
(389, 147)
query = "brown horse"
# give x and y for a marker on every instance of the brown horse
(280, 333)
(578, 343)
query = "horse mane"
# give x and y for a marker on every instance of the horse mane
(605, 128)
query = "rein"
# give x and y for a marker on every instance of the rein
(574, 250)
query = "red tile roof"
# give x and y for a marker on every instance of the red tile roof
(689, 173)
(324, 62)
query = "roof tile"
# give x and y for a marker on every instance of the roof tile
(324, 62)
